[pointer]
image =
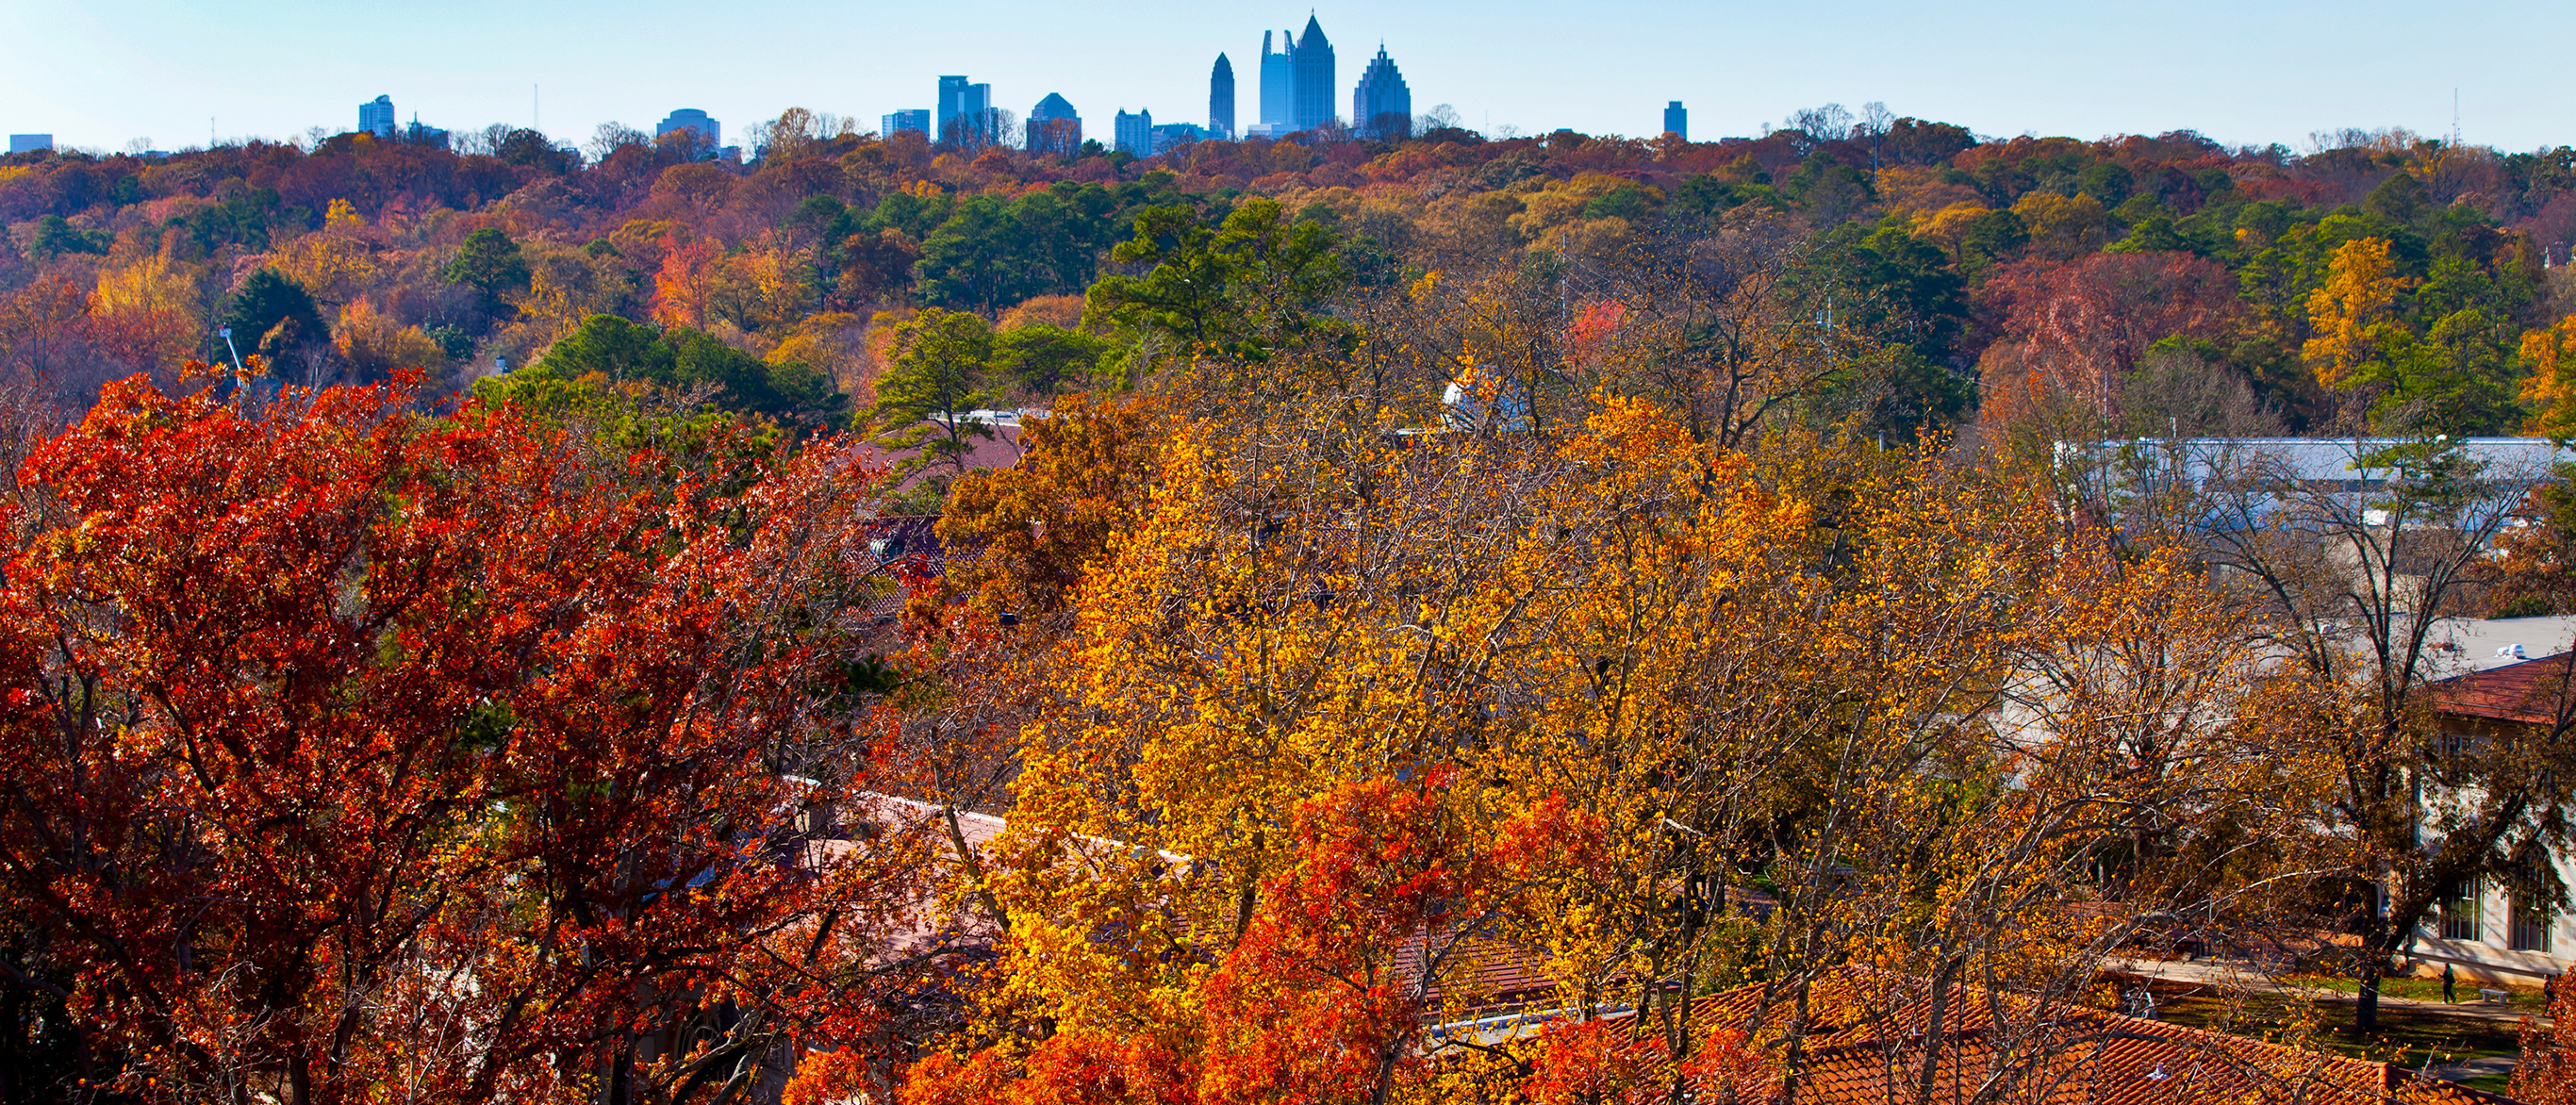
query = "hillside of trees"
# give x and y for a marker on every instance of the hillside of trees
(1988, 276)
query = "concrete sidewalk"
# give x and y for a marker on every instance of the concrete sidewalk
(2246, 978)
(2239, 975)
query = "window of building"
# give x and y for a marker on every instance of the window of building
(2460, 911)
(2458, 745)
(2530, 929)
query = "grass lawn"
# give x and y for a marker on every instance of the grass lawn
(2406, 1036)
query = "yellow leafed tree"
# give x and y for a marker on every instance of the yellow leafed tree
(337, 265)
(1931, 724)
(377, 345)
(2550, 391)
(2350, 314)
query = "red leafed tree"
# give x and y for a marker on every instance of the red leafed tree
(358, 755)
(1325, 996)
(2546, 1073)
(2081, 328)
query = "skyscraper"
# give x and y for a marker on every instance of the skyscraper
(23, 143)
(952, 103)
(1221, 98)
(1054, 128)
(1278, 85)
(1677, 121)
(710, 132)
(914, 119)
(376, 117)
(1312, 59)
(1382, 107)
(1134, 133)
(965, 112)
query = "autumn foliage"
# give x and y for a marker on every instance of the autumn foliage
(353, 752)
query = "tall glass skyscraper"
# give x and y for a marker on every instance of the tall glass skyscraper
(1677, 121)
(376, 117)
(1312, 60)
(1278, 85)
(1221, 99)
(965, 112)
(1382, 107)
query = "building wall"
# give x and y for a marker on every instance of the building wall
(2479, 942)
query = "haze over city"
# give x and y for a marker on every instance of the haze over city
(111, 73)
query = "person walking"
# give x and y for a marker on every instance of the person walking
(2450, 978)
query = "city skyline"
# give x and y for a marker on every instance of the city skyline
(111, 74)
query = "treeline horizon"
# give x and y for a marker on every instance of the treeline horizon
(126, 263)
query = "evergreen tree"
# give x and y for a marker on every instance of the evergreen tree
(272, 314)
(490, 264)
(941, 361)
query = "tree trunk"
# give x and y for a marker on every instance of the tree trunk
(2365, 1013)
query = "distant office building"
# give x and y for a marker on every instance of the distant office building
(1312, 60)
(21, 143)
(965, 112)
(710, 132)
(1134, 133)
(916, 120)
(1382, 107)
(418, 135)
(1677, 121)
(1221, 99)
(376, 117)
(1278, 87)
(1173, 136)
(1054, 129)
(952, 103)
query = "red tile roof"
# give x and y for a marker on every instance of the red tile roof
(2532, 692)
(1867, 1045)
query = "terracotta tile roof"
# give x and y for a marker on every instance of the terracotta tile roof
(1869, 1047)
(2526, 692)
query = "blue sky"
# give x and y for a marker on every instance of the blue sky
(100, 75)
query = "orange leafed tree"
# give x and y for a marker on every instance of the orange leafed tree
(1328, 994)
(354, 753)
(686, 281)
